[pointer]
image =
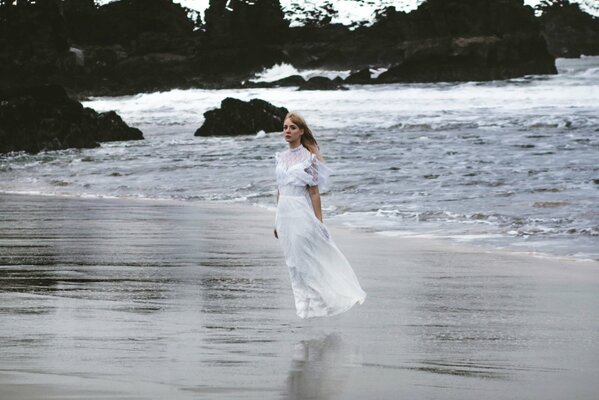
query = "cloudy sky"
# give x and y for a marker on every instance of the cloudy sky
(350, 10)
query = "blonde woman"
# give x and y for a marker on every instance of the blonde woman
(322, 279)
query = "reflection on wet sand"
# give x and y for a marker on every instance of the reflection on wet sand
(321, 367)
(161, 300)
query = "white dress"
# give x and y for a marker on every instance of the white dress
(322, 279)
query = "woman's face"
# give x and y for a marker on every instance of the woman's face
(292, 132)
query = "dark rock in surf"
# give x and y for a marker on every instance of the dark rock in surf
(359, 77)
(322, 83)
(237, 117)
(293, 80)
(40, 118)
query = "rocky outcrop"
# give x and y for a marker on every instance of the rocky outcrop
(134, 46)
(242, 36)
(140, 26)
(480, 58)
(33, 42)
(237, 117)
(130, 46)
(569, 31)
(362, 76)
(456, 40)
(293, 80)
(322, 83)
(45, 118)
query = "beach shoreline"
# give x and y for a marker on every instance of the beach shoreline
(122, 298)
(444, 241)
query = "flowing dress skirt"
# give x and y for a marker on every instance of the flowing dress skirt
(322, 279)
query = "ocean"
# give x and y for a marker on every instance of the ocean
(506, 164)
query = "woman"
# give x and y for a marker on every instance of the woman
(322, 280)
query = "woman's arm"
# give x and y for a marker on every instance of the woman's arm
(315, 198)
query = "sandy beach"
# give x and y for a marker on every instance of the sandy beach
(139, 299)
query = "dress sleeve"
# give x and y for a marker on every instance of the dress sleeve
(317, 173)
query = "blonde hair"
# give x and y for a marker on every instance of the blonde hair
(307, 139)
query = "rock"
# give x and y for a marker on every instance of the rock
(33, 42)
(468, 40)
(362, 76)
(111, 128)
(237, 117)
(124, 46)
(570, 32)
(243, 36)
(143, 26)
(478, 58)
(321, 83)
(129, 46)
(293, 80)
(441, 40)
(241, 23)
(45, 118)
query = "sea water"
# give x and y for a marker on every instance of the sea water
(511, 164)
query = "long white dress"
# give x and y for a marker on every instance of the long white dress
(322, 279)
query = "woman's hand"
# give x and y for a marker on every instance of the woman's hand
(276, 235)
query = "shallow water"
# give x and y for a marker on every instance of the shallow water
(506, 163)
(144, 299)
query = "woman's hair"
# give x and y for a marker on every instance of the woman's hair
(307, 139)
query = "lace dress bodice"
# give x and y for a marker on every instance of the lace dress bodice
(297, 169)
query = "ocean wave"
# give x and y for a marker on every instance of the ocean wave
(471, 160)
(280, 71)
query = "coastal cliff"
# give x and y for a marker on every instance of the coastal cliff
(132, 46)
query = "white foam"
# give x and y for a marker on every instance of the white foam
(280, 71)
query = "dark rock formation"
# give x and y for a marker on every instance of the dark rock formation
(129, 46)
(33, 42)
(362, 76)
(243, 36)
(441, 40)
(471, 59)
(45, 118)
(141, 26)
(293, 80)
(135, 45)
(569, 31)
(239, 23)
(322, 83)
(236, 117)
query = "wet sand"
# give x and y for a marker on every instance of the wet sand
(132, 299)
